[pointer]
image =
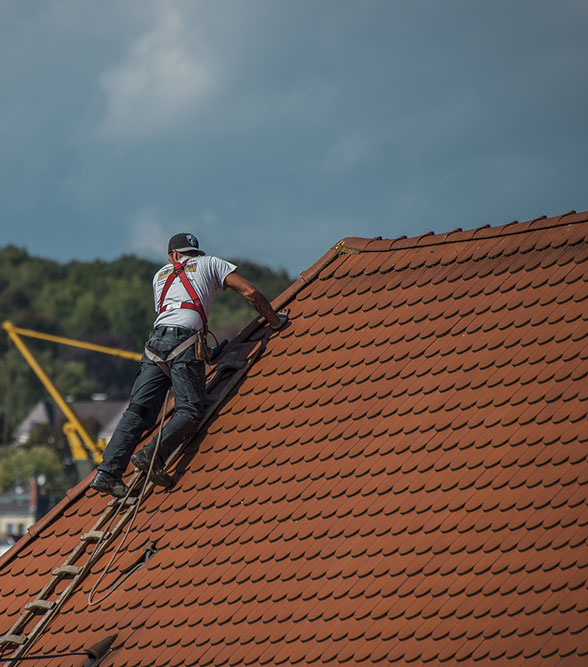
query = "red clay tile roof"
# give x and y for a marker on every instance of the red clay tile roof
(401, 476)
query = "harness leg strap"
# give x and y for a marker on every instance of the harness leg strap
(164, 363)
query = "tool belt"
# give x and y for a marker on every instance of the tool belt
(201, 349)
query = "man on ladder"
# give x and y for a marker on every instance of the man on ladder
(174, 354)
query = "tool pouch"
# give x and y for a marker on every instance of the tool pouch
(201, 349)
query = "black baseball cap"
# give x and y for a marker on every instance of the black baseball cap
(183, 242)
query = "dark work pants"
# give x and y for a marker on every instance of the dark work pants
(147, 396)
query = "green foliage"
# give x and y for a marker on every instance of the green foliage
(19, 390)
(109, 303)
(72, 379)
(19, 464)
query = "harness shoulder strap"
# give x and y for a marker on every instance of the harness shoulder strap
(192, 292)
(173, 274)
(179, 270)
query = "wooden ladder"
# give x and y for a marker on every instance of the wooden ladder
(224, 377)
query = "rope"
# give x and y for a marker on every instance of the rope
(213, 335)
(120, 581)
(44, 656)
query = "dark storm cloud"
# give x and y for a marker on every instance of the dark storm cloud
(273, 129)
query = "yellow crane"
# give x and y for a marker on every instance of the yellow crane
(86, 452)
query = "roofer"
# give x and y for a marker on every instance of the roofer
(183, 291)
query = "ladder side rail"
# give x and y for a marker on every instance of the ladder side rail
(50, 614)
(55, 579)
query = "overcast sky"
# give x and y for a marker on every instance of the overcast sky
(271, 129)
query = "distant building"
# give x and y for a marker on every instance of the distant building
(20, 508)
(99, 416)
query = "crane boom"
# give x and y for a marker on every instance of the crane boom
(81, 444)
(29, 333)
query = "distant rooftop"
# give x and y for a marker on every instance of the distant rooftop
(103, 412)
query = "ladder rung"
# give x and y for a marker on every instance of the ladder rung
(39, 605)
(118, 501)
(69, 570)
(92, 536)
(12, 639)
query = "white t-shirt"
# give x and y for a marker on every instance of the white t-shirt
(206, 274)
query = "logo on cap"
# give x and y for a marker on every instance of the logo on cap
(191, 240)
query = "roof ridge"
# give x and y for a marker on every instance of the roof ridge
(360, 244)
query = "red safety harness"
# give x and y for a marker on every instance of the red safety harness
(195, 304)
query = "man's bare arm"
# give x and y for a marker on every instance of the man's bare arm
(248, 291)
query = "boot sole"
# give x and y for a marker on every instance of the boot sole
(161, 479)
(108, 490)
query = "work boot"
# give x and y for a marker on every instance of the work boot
(142, 461)
(107, 483)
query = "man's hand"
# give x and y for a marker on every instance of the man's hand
(283, 316)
